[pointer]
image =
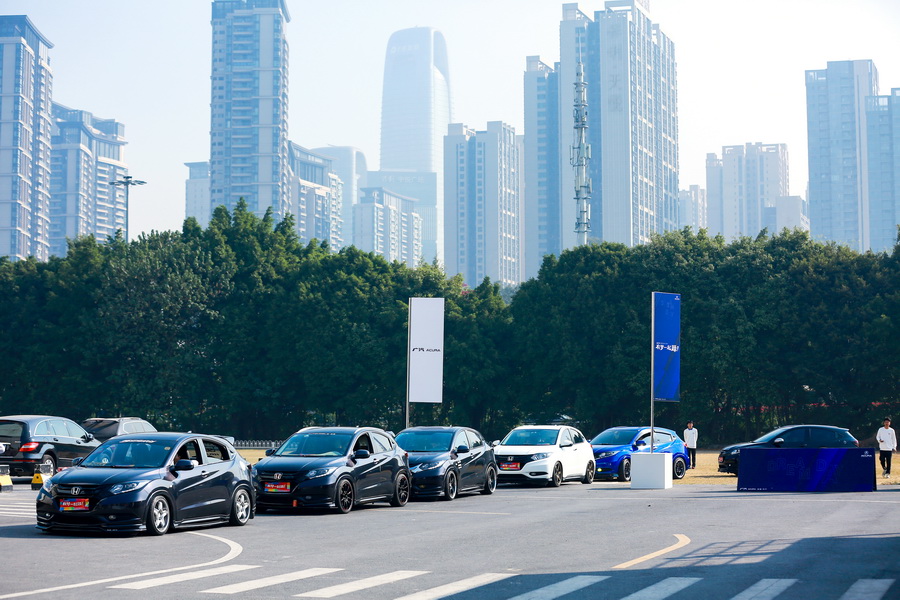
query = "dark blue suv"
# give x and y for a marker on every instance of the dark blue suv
(613, 449)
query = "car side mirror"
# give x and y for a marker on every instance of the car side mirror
(463, 449)
(185, 464)
(495, 443)
(361, 454)
(566, 445)
(639, 443)
(270, 451)
(87, 437)
(778, 442)
(77, 461)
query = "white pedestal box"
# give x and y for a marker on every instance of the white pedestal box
(651, 471)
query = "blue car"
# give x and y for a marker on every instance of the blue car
(613, 449)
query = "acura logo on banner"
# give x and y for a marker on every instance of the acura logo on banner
(425, 358)
(666, 346)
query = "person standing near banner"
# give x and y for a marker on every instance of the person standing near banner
(690, 440)
(887, 443)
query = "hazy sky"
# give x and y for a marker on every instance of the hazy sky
(146, 64)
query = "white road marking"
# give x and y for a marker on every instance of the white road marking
(663, 589)
(765, 589)
(561, 588)
(255, 584)
(158, 581)
(868, 589)
(683, 540)
(361, 584)
(234, 551)
(462, 585)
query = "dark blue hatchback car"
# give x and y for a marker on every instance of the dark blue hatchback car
(613, 449)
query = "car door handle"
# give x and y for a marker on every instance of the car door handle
(205, 473)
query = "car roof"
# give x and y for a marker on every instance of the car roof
(172, 436)
(436, 428)
(544, 426)
(113, 419)
(31, 418)
(339, 429)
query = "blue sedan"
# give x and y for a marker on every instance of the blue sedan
(613, 449)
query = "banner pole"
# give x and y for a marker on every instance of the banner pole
(652, 363)
(408, 349)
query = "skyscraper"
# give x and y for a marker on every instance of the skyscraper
(25, 131)
(415, 113)
(316, 197)
(483, 204)
(883, 121)
(86, 157)
(693, 208)
(350, 165)
(249, 155)
(837, 137)
(196, 193)
(388, 224)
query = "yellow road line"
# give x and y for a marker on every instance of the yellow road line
(683, 541)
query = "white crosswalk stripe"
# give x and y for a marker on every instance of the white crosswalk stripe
(868, 589)
(663, 589)
(17, 513)
(168, 579)
(463, 585)
(361, 584)
(255, 584)
(765, 589)
(561, 588)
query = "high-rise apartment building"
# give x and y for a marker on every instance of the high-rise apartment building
(26, 125)
(742, 184)
(316, 197)
(541, 193)
(837, 136)
(349, 165)
(483, 229)
(883, 121)
(693, 208)
(249, 106)
(196, 193)
(387, 224)
(86, 158)
(415, 113)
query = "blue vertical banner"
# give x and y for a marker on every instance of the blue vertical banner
(666, 346)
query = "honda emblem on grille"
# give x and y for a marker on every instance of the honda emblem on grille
(76, 491)
(510, 458)
(277, 476)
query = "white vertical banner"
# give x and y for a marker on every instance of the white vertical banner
(425, 355)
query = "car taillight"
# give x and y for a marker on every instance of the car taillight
(29, 447)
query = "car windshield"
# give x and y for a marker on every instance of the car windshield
(316, 444)
(425, 441)
(771, 435)
(130, 454)
(531, 437)
(614, 437)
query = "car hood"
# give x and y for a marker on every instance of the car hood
(299, 463)
(499, 451)
(743, 445)
(104, 475)
(417, 458)
(600, 448)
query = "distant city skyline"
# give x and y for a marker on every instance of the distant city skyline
(740, 64)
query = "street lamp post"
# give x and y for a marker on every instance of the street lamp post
(127, 181)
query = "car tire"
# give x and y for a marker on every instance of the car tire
(401, 490)
(159, 515)
(241, 507)
(48, 459)
(344, 495)
(589, 473)
(490, 481)
(679, 468)
(451, 485)
(557, 476)
(625, 470)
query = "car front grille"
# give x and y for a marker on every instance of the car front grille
(76, 490)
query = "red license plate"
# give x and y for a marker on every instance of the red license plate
(508, 466)
(277, 487)
(74, 504)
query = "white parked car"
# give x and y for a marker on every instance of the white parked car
(547, 454)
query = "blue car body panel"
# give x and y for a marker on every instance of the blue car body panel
(608, 457)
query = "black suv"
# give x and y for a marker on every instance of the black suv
(27, 441)
(103, 428)
(791, 436)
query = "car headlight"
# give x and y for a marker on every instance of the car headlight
(47, 485)
(606, 454)
(320, 472)
(121, 488)
(733, 452)
(541, 456)
(428, 466)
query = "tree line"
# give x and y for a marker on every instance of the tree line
(241, 329)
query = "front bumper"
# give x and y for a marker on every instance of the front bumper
(428, 484)
(310, 493)
(728, 465)
(119, 513)
(537, 470)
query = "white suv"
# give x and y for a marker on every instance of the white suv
(547, 454)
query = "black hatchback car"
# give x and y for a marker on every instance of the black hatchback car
(791, 436)
(27, 441)
(446, 461)
(150, 482)
(336, 467)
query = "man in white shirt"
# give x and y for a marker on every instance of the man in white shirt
(887, 443)
(690, 440)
